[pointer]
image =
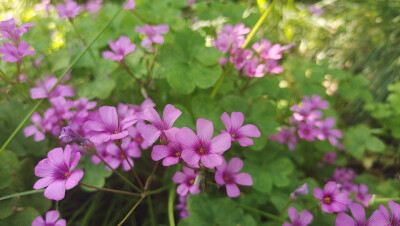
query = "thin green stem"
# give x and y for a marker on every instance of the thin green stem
(110, 190)
(171, 200)
(120, 175)
(18, 71)
(81, 39)
(21, 194)
(19, 127)
(284, 210)
(131, 211)
(263, 213)
(151, 212)
(246, 43)
(158, 190)
(148, 182)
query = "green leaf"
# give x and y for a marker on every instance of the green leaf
(9, 164)
(6, 205)
(63, 60)
(359, 138)
(179, 79)
(94, 174)
(234, 103)
(375, 144)
(207, 56)
(21, 218)
(205, 77)
(100, 88)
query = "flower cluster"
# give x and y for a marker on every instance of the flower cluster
(15, 49)
(307, 120)
(262, 59)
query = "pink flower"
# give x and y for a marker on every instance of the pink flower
(158, 127)
(240, 58)
(40, 126)
(129, 148)
(231, 38)
(68, 10)
(332, 199)
(187, 180)
(93, 6)
(171, 153)
(227, 174)
(182, 206)
(108, 127)
(10, 31)
(342, 175)
(121, 48)
(329, 157)
(362, 196)
(326, 132)
(315, 102)
(286, 135)
(15, 54)
(56, 172)
(307, 131)
(358, 212)
(395, 209)
(153, 34)
(51, 219)
(130, 4)
(315, 10)
(238, 132)
(42, 91)
(304, 219)
(202, 147)
(254, 69)
(134, 133)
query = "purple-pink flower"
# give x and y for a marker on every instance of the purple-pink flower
(202, 147)
(121, 48)
(332, 199)
(326, 132)
(42, 91)
(315, 10)
(109, 127)
(51, 219)
(153, 34)
(304, 219)
(9, 30)
(15, 54)
(362, 196)
(315, 102)
(234, 127)
(56, 172)
(186, 179)
(158, 127)
(342, 175)
(93, 6)
(307, 131)
(171, 153)
(329, 157)
(182, 206)
(358, 212)
(227, 175)
(68, 10)
(394, 220)
(302, 190)
(130, 150)
(286, 135)
(130, 4)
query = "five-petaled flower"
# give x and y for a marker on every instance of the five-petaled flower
(51, 219)
(121, 48)
(202, 147)
(304, 219)
(68, 10)
(227, 174)
(332, 199)
(358, 212)
(187, 180)
(56, 172)
(238, 132)
(153, 34)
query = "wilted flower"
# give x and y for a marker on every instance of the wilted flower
(302, 190)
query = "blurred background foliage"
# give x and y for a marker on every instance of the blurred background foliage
(350, 56)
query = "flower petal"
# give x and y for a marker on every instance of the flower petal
(187, 137)
(190, 157)
(395, 208)
(306, 217)
(182, 189)
(170, 115)
(343, 219)
(169, 161)
(56, 156)
(227, 121)
(52, 216)
(179, 177)
(243, 179)
(235, 165)
(220, 143)
(377, 219)
(109, 116)
(38, 221)
(245, 141)
(293, 214)
(219, 177)
(43, 182)
(150, 133)
(330, 187)
(237, 119)
(56, 190)
(358, 213)
(159, 152)
(318, 193)
(73, 179)
(232, 190)
(249, 130)
(205, 130)
(211, 160)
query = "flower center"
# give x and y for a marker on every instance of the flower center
(226, 179)
(201, 151)
(121, 156)
(139, 140)
(178, 154)
(233, 135)
(327, 200)
(115, 132)
(66, 174)
(191, 182)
